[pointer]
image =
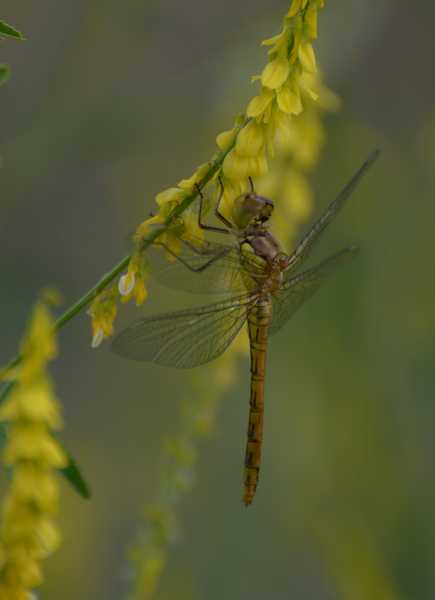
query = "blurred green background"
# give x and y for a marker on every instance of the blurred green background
(111, 102)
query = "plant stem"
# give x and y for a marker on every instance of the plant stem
(147, 240)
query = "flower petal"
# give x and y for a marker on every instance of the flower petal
(275, 73)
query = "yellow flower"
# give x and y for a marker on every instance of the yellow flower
(195, 178)
(311, 20)
(275, 73)
(132, 283)
(289, 99)
(225, 138)
(295, 7)
(307, 57)
(251, 140)
(259, 104)
(169, 199)
(239, 167)
(27, 530)
(103, 311)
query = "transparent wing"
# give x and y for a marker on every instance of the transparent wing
(185, 338)
(305, 245)
(300, 288)
(204, 268)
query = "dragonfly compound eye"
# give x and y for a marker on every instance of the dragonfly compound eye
(250, 207)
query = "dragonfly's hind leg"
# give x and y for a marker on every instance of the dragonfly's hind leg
(199, 269)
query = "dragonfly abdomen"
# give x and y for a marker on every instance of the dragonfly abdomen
(259, 319)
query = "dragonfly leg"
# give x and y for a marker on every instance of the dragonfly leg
(204, 225)
(217, 211)
(186, 264)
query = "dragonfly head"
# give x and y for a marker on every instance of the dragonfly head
(251, 208)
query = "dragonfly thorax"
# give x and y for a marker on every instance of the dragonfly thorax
(250, 208)
(264, 244)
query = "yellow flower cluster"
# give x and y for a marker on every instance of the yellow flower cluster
(28, 533)
(289, 75)
(290, 72)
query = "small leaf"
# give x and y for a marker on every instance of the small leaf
(4, 73)
(71, 472)
(8, 30)
(74, 477)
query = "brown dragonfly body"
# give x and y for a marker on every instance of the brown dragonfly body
(259, 320)
(270, 291)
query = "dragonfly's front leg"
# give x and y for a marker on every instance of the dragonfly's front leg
(211, 227)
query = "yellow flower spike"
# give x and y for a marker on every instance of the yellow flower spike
(275, 73)
(289, 99)
(251, 140)
(27, 531)
(307, 57)
(260, 103)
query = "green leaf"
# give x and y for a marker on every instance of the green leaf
(71, 472)
(4, 73)
(8, 30)
(75, 478)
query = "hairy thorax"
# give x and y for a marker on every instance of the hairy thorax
(267, 247)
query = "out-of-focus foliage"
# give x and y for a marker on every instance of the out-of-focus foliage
(116, 101)
(7, 31)
(28, 533)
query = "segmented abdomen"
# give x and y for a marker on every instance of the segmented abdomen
(259, 319)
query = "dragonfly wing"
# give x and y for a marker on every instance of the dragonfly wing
(301, 287)
(305, 245)
(185, 338)
(210, 268)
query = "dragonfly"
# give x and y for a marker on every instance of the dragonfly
(266, 288)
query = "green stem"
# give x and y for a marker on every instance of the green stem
(146, 241)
